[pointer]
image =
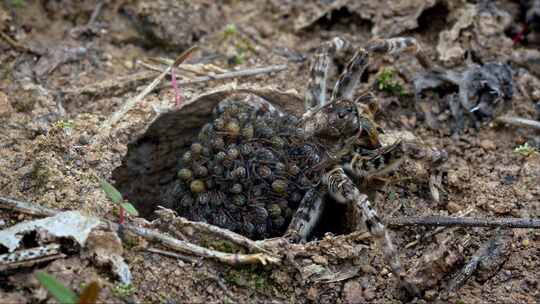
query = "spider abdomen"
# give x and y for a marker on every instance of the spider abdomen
(254, 174)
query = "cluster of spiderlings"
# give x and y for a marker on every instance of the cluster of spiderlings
(248, 171)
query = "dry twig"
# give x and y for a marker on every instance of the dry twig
(25, 207)
(30, 263)
(169, 216)
(236, 74)
(17, 46)
(189, 248)
(116, 116)
(179, 256)
(437, 230)
(464, 222)
(519, 122)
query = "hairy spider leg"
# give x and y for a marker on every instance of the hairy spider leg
(343, 190)
(306, 216)
(349, 79)
(316, 89)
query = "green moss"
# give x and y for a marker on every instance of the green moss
(220, 245)
(123, 290)
(386, 82)
(252, 277)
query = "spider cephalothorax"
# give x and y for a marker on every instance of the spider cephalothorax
(262, 172)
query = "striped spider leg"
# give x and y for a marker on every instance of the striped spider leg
(315, 95)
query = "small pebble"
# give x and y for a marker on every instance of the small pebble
(488, 145)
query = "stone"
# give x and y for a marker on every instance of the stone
(5, 105)
(352, 293)
(488, 145)
(453, 207)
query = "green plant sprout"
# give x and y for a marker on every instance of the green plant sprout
(230, 30)
(116, 197)
(386, 82)
(525, 150)
(64, 295)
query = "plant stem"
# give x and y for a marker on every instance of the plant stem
(121, 216)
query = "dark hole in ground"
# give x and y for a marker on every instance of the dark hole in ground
(342, 20)
(334, 220)
(433, 20)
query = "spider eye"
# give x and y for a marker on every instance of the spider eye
(342, 115)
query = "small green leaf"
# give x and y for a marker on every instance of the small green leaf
(114, 195)
(58, 290)
(130, 208)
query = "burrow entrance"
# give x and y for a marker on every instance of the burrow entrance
(149, 169)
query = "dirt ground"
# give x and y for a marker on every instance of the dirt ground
(65, 72)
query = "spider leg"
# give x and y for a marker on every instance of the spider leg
(383, 161)
(306, 216)
(350, 77)
(316, 90)
(457, 113)
(343, 190)
(398, 45)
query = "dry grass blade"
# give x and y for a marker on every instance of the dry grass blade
(116, 116)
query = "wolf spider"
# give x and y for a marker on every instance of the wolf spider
(348, 129)
(336, 137)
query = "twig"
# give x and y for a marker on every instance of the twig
(30, 263)
(30, 253)
(95, 13)
(25, 207)
(168, 215)
(106, 126)
(189, 248)
(519, 122)
(179, 256)
(464, 222)
(437, 230)
(234, 74)
(17, 46)
(118, 85)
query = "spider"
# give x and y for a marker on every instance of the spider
(260, 171)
